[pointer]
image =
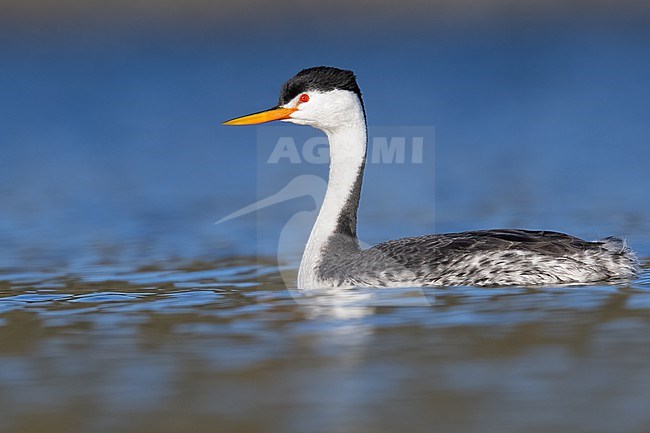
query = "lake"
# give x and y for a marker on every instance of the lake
(124, 306)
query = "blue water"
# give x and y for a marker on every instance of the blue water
(124, 307)
(114, 140)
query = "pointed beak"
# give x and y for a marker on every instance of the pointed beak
(276, 113)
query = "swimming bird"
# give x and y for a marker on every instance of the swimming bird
(329, 99)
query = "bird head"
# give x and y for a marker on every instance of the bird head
(324, 97)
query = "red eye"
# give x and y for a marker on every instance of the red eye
(304, 97)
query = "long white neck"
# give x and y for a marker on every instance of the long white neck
(337, 219)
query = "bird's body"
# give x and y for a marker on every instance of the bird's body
(478, 258)
(329, 99)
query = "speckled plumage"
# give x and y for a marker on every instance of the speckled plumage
(477, 258)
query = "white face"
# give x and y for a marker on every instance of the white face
(327, 111)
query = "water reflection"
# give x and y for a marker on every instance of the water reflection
(184, 349)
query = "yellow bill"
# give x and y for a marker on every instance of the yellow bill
(277, 113)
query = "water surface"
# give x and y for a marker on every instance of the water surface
(123, 307)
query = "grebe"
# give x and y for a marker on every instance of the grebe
(329, 99)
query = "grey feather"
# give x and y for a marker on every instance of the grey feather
(478, 258)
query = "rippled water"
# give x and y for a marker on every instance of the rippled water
(123, 307)
(225, 346)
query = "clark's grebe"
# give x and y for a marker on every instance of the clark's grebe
(329, 99)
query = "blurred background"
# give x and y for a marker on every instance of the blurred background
(124, 307)
(111, 135)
